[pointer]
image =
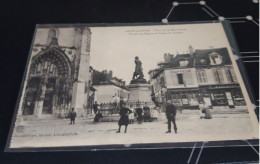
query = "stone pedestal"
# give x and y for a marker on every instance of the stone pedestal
(140, 92)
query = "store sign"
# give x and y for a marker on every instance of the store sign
(181, 78)
(179, 71)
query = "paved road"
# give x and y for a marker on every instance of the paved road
(46, 133)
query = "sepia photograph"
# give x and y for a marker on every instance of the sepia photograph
(88, 85)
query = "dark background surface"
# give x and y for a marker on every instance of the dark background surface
(18, 20)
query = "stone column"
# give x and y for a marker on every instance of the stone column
(82, 71)
(19, 118)
(39, 103)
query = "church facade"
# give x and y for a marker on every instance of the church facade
(57, 77)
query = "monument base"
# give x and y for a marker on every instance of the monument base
(138, 81)
(140, 92)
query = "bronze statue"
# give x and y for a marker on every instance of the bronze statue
(138, 69)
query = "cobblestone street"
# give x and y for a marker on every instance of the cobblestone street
(44, 133)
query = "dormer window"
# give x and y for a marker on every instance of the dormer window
(215, 58)
(184, 63)
(202, 61)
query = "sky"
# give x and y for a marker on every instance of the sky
(114, 48)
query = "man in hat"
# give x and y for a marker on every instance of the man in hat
(170, 114)
(139, 112)
(95, 107)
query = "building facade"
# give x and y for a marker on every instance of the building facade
(109, 89)
(58, 76)
(109, 92)
(217, 79)
(206, 75)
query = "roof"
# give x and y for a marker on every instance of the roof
(179, 57)
(156, 72)
(111, 83)
(204, 54)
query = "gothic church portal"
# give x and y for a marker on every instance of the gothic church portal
(57, 78)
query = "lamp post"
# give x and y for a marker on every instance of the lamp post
(163, 96)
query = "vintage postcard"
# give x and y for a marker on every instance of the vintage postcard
(93, 86)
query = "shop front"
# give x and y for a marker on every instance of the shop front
(186, 98)
(230, 96)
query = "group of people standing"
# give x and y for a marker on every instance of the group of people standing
(127, 115)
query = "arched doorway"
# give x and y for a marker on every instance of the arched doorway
(49, 83)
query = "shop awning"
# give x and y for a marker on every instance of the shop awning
(183, 90)
(224, 87)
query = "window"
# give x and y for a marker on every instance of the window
(53, 33)
(54, 70)
(39, 67)
(184, 63)
(231, 76)
(202, 61)
(180, 78)
(215, 58)
(187, 77)
(162, 82)
(202, 77)
(218, 76)
(46, 65)
(51, 68)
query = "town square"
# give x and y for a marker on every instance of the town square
(82, 89)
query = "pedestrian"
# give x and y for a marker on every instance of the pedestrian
(204, 110)
(131, 115)
(147, 113)
(139, 112)
(98, 117)
(155, 113)
(124, 119)
(170, 114)
(95, 107)
(72, 115)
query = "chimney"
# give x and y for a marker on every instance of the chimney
(110, 74)
(191, 50)
(167, 57)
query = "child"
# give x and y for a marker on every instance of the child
(72, 115)
(131, 115)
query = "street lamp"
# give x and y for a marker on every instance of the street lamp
(163, 93)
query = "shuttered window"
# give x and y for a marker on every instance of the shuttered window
(202, 77)
(218, 76)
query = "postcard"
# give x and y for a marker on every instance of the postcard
(89, 85)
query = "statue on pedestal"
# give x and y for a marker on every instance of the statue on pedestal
(138, 69)
(138, 76)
